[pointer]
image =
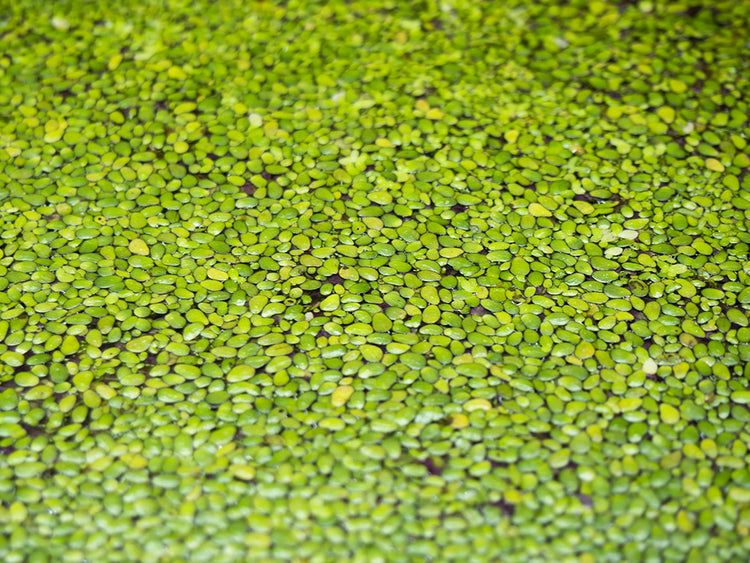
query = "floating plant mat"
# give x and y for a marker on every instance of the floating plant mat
(374, 281)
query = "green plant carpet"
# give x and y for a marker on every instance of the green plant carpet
(374, 281)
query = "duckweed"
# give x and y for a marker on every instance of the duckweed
(374, 281)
